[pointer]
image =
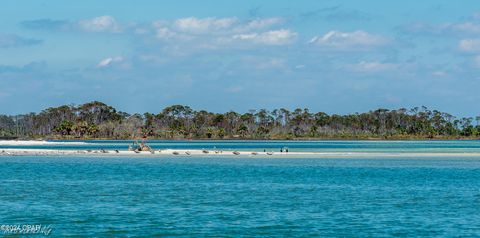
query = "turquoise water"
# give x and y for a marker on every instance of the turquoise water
(236, 196)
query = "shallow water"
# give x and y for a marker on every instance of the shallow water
(240, 196)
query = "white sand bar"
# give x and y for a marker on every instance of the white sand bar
(38, 142)
(212, 153)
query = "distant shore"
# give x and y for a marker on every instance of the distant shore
(99, 121)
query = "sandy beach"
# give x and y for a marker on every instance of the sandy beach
(37, 142)
(227, 153)
(202, 152)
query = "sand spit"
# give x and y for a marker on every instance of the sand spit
(38, 142)
(212, 153)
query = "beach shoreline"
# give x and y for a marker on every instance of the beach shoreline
(328, 138)
(39, 142)
(20, 147)
(225, 153)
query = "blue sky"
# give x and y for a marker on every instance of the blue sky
(332, 56)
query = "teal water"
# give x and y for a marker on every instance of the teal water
(242, 197)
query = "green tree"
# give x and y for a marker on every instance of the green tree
(65, 128)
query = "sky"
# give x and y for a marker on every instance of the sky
(332, 56)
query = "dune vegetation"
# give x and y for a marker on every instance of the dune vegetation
(96, 120)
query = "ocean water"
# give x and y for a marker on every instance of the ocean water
(210, 196)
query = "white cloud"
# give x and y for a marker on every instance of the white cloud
(108, 61)
(372, 66)
(274, 37)
(165, 33)
(100, 24)
(356, 40)
(203, 25)
(469, 45)
(214, 26)
(214, 32)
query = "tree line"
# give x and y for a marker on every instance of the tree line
(98, 120)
